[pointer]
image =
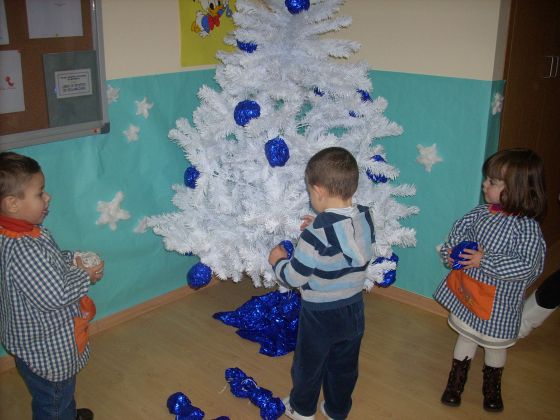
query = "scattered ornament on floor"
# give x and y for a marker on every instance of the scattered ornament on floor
(199, 275)
(143, 107)
(243, 386)
(111, 211)
(460, 249)
(131, 133)
(112, 94)
(270, 320)
(179, 404)
(428, 156)
(497, 103)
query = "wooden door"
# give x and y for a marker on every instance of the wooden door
(531, 113)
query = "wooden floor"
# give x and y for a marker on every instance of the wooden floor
(404, 364)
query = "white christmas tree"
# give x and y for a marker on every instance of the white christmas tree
(285, 95)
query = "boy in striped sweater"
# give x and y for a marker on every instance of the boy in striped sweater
(328, 266)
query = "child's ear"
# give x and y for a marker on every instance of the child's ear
(9, 204)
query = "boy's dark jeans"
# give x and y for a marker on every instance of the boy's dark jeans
(327, 350)
(50, 400)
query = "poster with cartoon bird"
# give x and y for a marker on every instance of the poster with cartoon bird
(204, 24)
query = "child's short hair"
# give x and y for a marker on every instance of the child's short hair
(335, 169)
(15, 171)
(522, 171)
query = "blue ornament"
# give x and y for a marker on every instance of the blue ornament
(245, 111)
(243, 386)
(277, 152)
(190, 176)
(297, 6)
(246, 46)
(460, 249)
(377, 178)
(389, 276)
(199, 275)
(270, 320)
(289, 247)
(176, 402)
(365, 95)
(352, 114)
(318, 92)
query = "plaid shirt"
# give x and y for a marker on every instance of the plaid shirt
(514, 251)
(39, 293)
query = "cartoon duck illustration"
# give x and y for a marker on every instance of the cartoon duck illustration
(209, 18)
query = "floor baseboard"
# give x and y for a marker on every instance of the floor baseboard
(400, 295)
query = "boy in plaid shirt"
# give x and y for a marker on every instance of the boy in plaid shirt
(44, 309)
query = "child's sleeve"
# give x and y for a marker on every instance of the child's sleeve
(48, 285)
(68, 257)
(296, 271)
(460, 231)
(524, 262)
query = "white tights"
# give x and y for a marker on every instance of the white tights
(467, 348)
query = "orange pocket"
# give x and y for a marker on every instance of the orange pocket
(81, 323)
(81, 329)
(477, 297)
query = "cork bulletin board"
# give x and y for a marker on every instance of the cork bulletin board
(52, 75)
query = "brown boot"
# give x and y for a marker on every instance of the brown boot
(492, 388)
(456, 382)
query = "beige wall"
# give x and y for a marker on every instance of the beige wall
(458, 38)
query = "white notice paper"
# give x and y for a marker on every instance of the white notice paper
(71, 83)
(11, 82)
(54, 18)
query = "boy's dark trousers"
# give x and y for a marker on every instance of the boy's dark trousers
(327, 351)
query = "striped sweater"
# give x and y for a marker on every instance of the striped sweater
(330, 259)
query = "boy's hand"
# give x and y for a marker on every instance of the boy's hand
(95, 273)
(472, 257)
(307, 220)
(277, 253)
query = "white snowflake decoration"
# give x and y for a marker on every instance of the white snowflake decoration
(111, 211)
(142, 225)
(112, 94)
(241, 206)
(131, 133)
(497, 103)
(143, 107)
(428, 156)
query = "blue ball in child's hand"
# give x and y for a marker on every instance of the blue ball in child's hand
(460, 249)
(199, 275)
(289, 247)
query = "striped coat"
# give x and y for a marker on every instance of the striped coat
(330, 258)
(514, 251)
(39, 293)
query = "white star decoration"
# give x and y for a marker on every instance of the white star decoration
(131, 133)
(143, 107)
(142, 225)
(112, 94)
(111, 211)
(497, 103)
(428, 156)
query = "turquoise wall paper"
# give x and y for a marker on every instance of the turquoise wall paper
(454, 113)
